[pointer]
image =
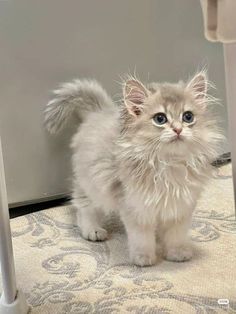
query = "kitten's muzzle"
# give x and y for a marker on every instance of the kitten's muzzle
(177, 138)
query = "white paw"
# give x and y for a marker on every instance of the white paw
(97, 234)
(142, 259)
(179, 254)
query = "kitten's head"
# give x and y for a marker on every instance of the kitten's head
(170, 119)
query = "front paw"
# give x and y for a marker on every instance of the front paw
(143, 259)
(94, 234)
(179, 253)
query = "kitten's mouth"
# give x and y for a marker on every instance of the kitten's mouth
(177, 139)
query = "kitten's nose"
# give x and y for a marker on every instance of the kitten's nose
(177, 130)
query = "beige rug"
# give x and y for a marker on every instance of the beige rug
(62, 273)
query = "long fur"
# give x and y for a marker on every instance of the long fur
(123, 162)
(79, 97)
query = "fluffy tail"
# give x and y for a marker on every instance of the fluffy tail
(79, 97)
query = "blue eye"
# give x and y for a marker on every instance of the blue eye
(188, 116)
(160, 118)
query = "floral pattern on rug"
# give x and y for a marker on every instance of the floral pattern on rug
(62, 273)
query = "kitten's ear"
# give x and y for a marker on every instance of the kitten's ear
(198, 86)
(135, 94)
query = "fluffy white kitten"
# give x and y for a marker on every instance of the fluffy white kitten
(147, 159)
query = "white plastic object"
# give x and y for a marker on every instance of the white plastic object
(12, 301)
(18, 306)
(230, 79)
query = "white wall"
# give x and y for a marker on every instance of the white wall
(47, 42)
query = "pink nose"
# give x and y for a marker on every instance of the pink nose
(177, 130)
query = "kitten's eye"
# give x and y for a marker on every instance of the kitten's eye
(160, 118)
(188, 117)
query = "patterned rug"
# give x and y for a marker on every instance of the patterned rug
(62, 273)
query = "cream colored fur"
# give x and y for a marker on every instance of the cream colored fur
(124, 162)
